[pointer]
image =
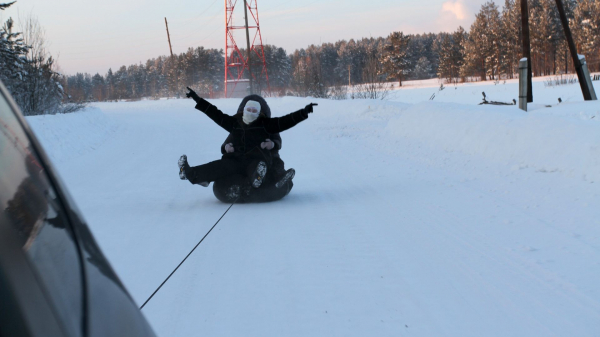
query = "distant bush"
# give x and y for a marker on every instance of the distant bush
(560, 81)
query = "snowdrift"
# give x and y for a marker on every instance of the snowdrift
(562, 139)
(67, 136)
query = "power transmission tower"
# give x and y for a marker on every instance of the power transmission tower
(239, 77)
(248, 49)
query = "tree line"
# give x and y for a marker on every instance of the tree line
(493, 47)
(158, 77)
(489, 50)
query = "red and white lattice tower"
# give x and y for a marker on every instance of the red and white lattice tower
(237, 76)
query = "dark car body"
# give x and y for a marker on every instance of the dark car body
(54, 279)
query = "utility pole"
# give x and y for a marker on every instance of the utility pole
(169, 37)
(349, 82)
(526, 47)
(248, 46)
(585, 89)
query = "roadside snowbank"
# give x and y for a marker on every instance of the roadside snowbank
(562, 139)
(66, 136)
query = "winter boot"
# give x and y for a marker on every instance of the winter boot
(289, 175)
(259, 174)
(183, 167)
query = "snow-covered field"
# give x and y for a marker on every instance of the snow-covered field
(409, 217)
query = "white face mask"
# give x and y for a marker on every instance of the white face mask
(251, 112)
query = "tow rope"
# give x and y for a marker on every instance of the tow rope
(190, 253)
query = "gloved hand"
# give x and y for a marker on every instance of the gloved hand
(229, 148)
(201, 102)
(192, 94)
(309, 108)
(267, 144)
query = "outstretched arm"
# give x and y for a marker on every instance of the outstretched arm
(225, 121)
(280, 124)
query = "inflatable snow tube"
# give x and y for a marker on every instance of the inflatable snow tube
(229, 189)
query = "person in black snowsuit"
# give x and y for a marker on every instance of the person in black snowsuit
(273, 144)
(248, 130)
(278, 181)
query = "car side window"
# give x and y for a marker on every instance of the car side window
(30, 205)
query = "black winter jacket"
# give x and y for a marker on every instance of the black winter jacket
(275, 138)
(246, 138)
(264, 110)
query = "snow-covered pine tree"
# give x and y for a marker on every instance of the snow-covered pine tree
(216, 66)
(329, 62)
(420, 53)
(493, 39)
(458, 50)
(279, 68)
(396, 62)
(452, 55)
(121, 83)
(316, 85)
(423, 68)
(110, 84)
(307, 78)
(587, 31)
(480, 49)
(539, 29)
(554, 37)
(171, 72)
(349, 65)
(445, 51)
(299, 82)
(136, 81)
(152, 78)
(511, 28)
(13, 53)
(98, 88)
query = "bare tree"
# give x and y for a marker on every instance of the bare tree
(41, 91)
(374, 86)
(338, 92)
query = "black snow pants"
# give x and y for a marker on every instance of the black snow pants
(222, 168)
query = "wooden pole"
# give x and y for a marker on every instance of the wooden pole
(169, 37)
(526, 47)
(578, 69)
(349, 82)
(248, 46)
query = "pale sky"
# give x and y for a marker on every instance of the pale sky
(92, 36)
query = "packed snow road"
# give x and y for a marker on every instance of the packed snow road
(395, 226)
